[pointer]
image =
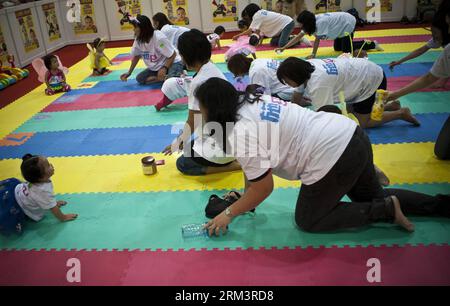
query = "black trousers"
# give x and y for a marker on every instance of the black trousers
(344, 44)
(320, 207)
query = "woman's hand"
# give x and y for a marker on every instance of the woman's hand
(124, 77)
(218, 224)
(174, 147)
(236, 37)
(162, 73)
(61, 203)
(279, 50)
(70, 217)
(392, 96)
(312, 56)
(393, 64)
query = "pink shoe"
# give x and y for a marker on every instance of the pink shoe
(66, 88)
(49, 92)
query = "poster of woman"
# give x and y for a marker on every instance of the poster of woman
(87, 20)
(177, 11)
(51, 21)
(125, 9)
(224, 10)
(27, 30)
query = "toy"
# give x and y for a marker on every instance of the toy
(12, 71)
(41, 70)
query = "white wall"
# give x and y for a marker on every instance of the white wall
(51, 43)
(9, 41)
(25, 56)
(193, 12)
(115, 29)
(208, 25)
(100, 21)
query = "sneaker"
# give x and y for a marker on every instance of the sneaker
(306, 41)
(377, 46)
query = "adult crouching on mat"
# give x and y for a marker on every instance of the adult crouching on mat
(330, 154)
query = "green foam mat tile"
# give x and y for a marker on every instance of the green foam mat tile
(153, 221)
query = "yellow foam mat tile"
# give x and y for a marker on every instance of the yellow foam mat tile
(364, 34)
(21, 110)
(323, 52)
(403, 163)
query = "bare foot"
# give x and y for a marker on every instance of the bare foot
(382, 178)
(407, 116)
(393, 106)
(400, 218)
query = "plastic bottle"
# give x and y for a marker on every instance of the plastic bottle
(378, 106)
(194, 231)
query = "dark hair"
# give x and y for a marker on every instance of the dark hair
(239, 64)
(97, 43)
(48, 61)
(243, 24)
(194, 47)
(87, 16)
(181, 9)
(440, 23)
(254, 40)
(147, 30)
(222, 102)
(162, 20)
(295, 69)
(330, 109)
(219, 30)
(308, 20)
(250, 11)
(31, 170)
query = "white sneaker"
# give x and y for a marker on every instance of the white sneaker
(377, 46)
(306, 41)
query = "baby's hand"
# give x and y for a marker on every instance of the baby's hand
(70, 217)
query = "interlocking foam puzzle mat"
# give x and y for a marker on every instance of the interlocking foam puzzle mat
(129, 227)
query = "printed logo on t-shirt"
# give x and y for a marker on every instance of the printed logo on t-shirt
(330, 67)
(161, 46)
(264, 13)
(271, 111)
(152, 58)
(273, 64)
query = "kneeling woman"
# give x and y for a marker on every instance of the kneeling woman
(330, 154)
(359, 79)
(158, 53)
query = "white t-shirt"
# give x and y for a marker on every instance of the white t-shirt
(156, 52)
(202, 144)
(270, 24)
(213, 38)
(330, 26)
(296, 143)
(432, 44)
(173, 33)
(209, 70)
(359, 78)
(35, 199)
(264, 73)
(441, 67)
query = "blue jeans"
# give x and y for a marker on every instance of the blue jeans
(12, 216)
(283, 38)
(174, 71)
